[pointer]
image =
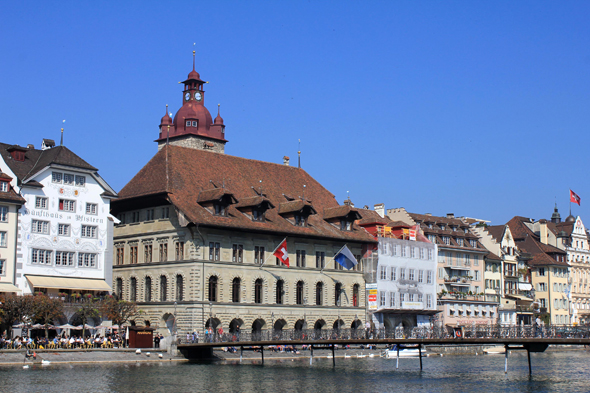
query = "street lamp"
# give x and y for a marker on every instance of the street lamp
(304, 309)
(272, 326)
(174, 326)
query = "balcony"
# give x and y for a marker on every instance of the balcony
(462, 281)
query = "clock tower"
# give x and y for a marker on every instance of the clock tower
(192, 125)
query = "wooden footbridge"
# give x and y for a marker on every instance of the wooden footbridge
(511, 338)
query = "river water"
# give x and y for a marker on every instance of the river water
(552, 372)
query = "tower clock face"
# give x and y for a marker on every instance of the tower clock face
(187, 96)
(198, 96)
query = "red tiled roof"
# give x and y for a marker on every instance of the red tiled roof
(493, 257)
(191, 171)
(341, 211)
(527, 241)
(496, 231)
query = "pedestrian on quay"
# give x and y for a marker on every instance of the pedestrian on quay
(238, 332)
(157, 341)
(220, 333)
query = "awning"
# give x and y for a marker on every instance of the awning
(8, 287)
(519, 297)
(87, 284)
(524, 286)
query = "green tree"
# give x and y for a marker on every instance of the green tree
(46, 309)
(87, 310)
(16, 309)
(119, 311)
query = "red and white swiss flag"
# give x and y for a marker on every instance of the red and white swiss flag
(281, 253)
(575, 198)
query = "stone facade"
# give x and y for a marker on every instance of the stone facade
(188, 276)
(195, 142)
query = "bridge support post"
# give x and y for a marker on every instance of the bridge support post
(333, 356)
(241, 353)
(420, 355)
(262, 353)
(397, 361)
(528, 353)
(506, 359)
(310, 355)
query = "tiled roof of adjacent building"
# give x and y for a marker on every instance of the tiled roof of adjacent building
(528, 242)
(36, 159)
(183, 173)
(496, 231)
(456, 230)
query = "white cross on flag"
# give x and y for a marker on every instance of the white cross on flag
(281, 252)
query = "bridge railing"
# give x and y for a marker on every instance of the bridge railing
(476, 331)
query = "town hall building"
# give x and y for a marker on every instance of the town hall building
(194, 247)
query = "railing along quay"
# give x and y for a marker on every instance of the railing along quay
(525, 337)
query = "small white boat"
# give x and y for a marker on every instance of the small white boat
(45, 362)
(361, 356)
(372, 355)
(346, 356)
(495, 350)
(403, 353)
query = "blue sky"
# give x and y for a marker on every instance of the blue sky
(476, 108)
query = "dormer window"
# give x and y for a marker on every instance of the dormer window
(342, 217)
(345, 225)
(17, 153)
(255, 207)
(216, 201)
(191, 123)
(3, 186)
(297, 212)
(220, 209)
(299, 220)
(257, 214)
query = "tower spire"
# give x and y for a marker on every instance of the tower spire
(194, 43)
(299, 155)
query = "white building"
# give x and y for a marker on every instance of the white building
(65, 231)
(406, 283)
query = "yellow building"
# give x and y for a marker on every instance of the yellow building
(547, 265)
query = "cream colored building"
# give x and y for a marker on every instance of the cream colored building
(548, 267)
(572, 237)
(198, 228)
(506, 275)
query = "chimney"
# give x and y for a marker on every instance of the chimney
(380, 209)
(286, 160)
(348, 202)
(543, 232)
(428, 214)
(30, 146)
(450, 215)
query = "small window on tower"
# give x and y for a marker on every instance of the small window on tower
(188, 123)
(194, 123)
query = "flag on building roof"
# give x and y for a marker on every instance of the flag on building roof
(281, 253)
(345, 258)
(575, 198)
